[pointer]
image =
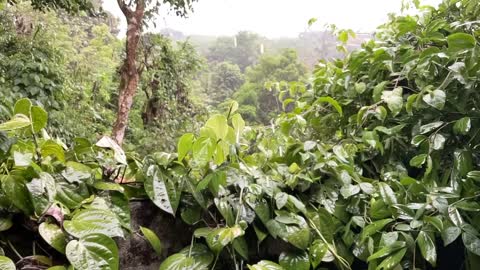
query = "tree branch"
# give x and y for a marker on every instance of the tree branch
(123, 6)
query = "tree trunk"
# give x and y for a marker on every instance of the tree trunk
(129, 73)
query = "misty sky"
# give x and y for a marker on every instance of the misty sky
(275, 18)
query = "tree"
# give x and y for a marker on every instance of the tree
(226, 78)
(259, 102)
(71, 6)
(243, 49)
(136, 12)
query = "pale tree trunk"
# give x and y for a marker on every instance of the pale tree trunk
(129, 72)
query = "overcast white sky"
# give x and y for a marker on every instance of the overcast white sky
(275, 18)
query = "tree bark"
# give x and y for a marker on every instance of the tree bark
(129, 73)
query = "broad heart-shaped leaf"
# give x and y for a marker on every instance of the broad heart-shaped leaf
(332, 102)
(392, 261)
(471, 242)
(88, 221)
(152, 238)
(265, 265)
(394, 100)
(17, 192)
(459, 42)
(53, 235)
(18, 121)
(239, 125)
(427, 247)
(71, 195)
(42, 192)
(117, 203)
(294, 260)
(51, 148)
(161, 190)
(418, 161)
(374, 227)
(462, 126)
(6, 263)
(94, 251)
(200, 253)
(39, 118)
(317, 251)
(118, 153)
(450, 234)
(22, 159)
(180, 262)
(387, 193)
(387, 250)
(184, 145)
(217, 239)
(218, 124)
(203, 149)
(436, 99)
(22, 106)
(5, 223)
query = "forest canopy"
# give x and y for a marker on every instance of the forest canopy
(237, 157)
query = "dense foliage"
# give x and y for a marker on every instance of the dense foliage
(374, 164)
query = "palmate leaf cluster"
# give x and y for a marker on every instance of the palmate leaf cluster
(375, 166)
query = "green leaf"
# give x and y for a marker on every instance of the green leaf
(201, 255)
(239, 125)
(437, 141)
(161, 190)
(118, 153)
(475, 175)
(39, 118)
(97, 221)
(17, 192)
(392, 261)
(281, 199)
(435, 99)
(218, 123)
(108, 186)
(450, 234)
(93, 251)
(332, 102)
(221, 237)
(6, 263)
(240, 245)
(418, 161)
(22, 106)
(387, 250)
(53, 235)
(387, 193)
(360, 87)
(317, 251)
(52, 148)
(42, 192)
(462, 126)
(374, 227)
(427, 247)
(394, 100)
(430, 127)
(153, 239)
(294, 260)
(459, 42)
(378, 89)
(179, 262)
(18, 121)
(185, 144)
(471, 242)
(265, 265)
(5, 223)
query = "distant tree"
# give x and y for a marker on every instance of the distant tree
(226, 78)
(243, 49)
(137, 12)
(71, 6)
(284, 67)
